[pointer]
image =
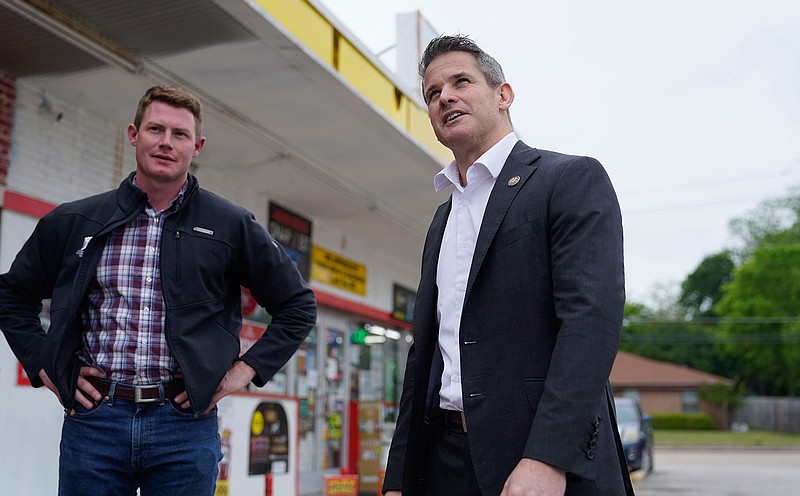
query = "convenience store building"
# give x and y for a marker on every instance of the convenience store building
(332, 152)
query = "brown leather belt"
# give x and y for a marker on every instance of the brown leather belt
(147, 393)
(455, 419)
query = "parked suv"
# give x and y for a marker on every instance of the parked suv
(636, 431)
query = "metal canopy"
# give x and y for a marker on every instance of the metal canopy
(280, 124)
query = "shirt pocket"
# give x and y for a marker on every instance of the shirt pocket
(198, 263)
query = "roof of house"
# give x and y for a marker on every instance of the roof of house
(634, 371)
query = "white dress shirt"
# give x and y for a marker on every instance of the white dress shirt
(455, 256)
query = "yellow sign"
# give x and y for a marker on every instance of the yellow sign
(222, 488)
(338, 271)
(257, 424)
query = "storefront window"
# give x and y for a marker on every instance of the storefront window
(366, 372)
(306, 363)
(348, 377)
(374, 360)
(391, 376)
(335, 401)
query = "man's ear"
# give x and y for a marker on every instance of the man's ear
(132, 134)
(506, 96)
(198, 145)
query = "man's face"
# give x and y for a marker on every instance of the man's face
(466, 113)
(165, 143)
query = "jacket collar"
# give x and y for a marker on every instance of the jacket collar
(130, 197)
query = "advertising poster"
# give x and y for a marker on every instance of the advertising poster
(341, 485)
(269, 440)
(369, 440)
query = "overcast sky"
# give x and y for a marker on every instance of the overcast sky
(692, 106)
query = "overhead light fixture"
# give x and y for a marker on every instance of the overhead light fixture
(76, 32)
(377, 330)
(392, 334)
(374, 339)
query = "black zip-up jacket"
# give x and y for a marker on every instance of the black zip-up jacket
(209, 247)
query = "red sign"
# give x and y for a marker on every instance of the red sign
(250, 333)
(341, 485)
(249, 304)
(22, 377)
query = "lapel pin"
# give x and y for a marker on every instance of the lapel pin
(513, 181)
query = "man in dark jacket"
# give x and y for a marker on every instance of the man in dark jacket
(145, 285)
(519, 308)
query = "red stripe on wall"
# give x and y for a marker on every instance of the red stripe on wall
(368, 313)
(26, 204)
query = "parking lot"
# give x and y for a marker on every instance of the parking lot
(753, 472)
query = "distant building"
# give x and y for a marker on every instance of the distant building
(665, 387)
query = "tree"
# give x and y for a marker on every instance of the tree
(666, 336)
(760, 331)
(703, 287)
(737, 314)
(775, 221)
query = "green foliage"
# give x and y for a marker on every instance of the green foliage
(738, 312)
(669, 339)
(761, 304)
(722, 394)
(703, 287)
(683, 421)
(775, 221)
(676, 342)
(727, 438)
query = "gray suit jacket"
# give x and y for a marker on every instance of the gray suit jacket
(539, 331)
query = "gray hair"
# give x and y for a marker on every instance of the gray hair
(442, 45)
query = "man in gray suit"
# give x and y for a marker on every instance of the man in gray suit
(518, 311)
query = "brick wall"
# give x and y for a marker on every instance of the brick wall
(8, 97)
(61, 150)
(661, 401)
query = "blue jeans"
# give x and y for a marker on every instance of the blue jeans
(120, 445)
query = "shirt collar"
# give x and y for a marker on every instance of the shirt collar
(176, 202)
(493, 159)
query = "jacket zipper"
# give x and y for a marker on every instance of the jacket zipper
(167, 323)
(178, 256)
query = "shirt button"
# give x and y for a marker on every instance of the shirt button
(146, 309)
(148, 279)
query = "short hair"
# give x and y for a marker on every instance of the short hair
(171, 95)
(444, 44)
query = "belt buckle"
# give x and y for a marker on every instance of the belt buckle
(137, 394)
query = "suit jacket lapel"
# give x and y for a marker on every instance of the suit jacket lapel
(520, 164)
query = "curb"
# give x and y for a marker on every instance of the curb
(727, 447)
